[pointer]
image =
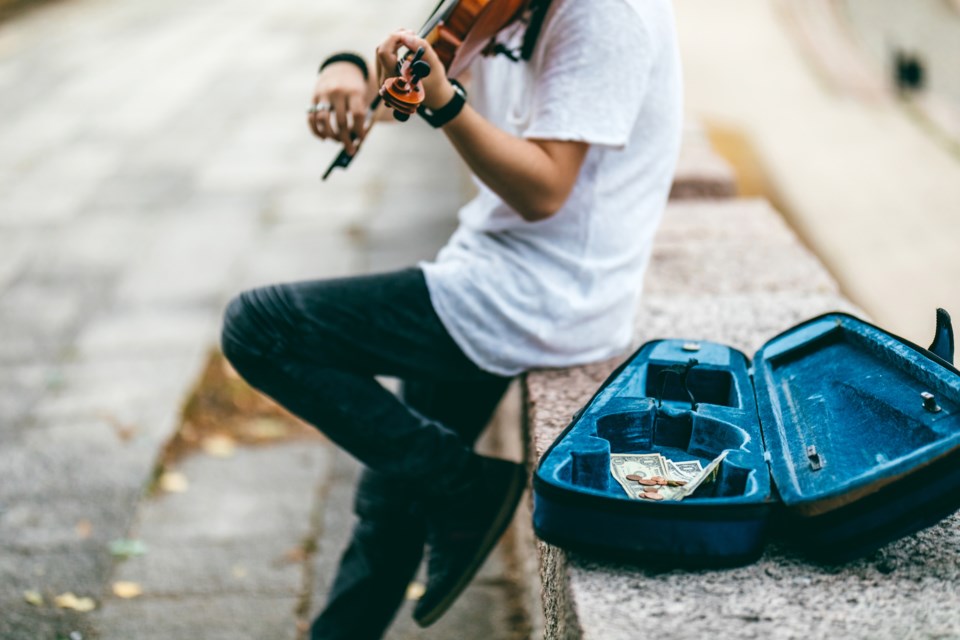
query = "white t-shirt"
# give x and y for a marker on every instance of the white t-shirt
(517, 295)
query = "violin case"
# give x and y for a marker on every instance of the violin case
(839, 436)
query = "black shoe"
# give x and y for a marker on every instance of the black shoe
(463, 529)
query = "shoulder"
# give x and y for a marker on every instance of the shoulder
(606, 21)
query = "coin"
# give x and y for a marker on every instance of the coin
(649, 482)
(636, 478)
(660, 480)
(676, 483)
(653, 495)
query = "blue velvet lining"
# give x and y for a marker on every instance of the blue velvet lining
(853, 393)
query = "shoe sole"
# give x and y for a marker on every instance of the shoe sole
(517, 486)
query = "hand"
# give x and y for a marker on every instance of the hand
(437, 87)
(343, 88)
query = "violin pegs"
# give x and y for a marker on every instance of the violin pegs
(420, 68)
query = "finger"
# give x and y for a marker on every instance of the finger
(387, 53)
(411, 41)
(312, 117)
(359, 112)
(322, 122)
(340, 110)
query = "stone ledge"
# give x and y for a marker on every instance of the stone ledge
(906, 589)
(701, 173)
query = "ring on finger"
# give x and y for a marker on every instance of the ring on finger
(320, 106)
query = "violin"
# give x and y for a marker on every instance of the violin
(458, 30)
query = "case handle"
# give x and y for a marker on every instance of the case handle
(943, 337)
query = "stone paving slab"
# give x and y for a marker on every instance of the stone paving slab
(217, 617)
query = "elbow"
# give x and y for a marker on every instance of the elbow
(540, 209)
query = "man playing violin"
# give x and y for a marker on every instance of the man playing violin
(572, 138)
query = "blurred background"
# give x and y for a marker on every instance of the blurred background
(155, 160)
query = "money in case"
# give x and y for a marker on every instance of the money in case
(846, 435)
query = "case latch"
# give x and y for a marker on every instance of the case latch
(816, 462)
(930, 402)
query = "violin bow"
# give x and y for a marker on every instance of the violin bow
(344, 159)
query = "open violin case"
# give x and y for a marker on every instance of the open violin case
(842, 434)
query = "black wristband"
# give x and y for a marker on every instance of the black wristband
(346, 57)
(439, 117)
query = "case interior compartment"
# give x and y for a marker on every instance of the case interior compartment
(624, 418)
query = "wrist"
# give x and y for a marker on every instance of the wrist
(349, 58)
(439, 96)
(455, 97)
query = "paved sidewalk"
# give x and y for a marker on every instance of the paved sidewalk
(155, 160)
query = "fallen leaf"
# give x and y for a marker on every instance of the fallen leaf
(127, 590)
(125, 548)
(124, 431)
(265, 429)
(70, 601)
(84, 529)
(174, 482)
(294, 555)
(219, 446)
(229, 371)
(33, 597)
(415, 591)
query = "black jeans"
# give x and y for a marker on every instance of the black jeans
(315, 348)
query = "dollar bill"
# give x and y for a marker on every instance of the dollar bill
(650, 465)
(709, 474)
(684, 470)
(645, 465)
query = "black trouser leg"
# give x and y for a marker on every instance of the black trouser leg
(315, 347)
(388, 540)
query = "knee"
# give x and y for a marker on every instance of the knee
(249, 330)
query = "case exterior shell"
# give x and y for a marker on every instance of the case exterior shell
(831, 434)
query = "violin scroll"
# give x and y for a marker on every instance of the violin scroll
(404, 93)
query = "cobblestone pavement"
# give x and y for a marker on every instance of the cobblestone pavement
(154, 160)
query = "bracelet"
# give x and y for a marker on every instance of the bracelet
(346, 57)
(439, 117)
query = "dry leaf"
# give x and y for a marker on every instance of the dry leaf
(265, 429)
(70, 601)
(84, 529)
(415, 591)
(295, 555)
(219, 446)
(127, 590)
(33, 597)
(229, 371)
(174, 482)
(188, 432)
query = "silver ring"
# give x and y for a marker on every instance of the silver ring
(322, 106)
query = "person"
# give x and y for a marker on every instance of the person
(572, 138)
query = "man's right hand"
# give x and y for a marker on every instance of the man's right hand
(342, 89)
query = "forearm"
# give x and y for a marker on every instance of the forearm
(530, 176)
